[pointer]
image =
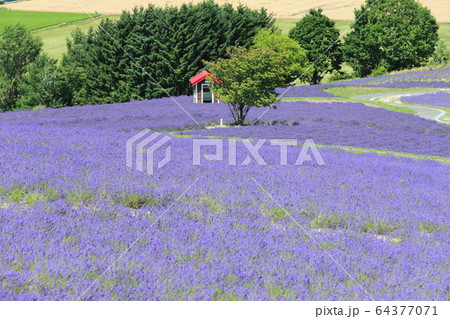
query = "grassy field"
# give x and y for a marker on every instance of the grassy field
(352, 91)
(37, 20)
(55, 38)
(444, 33)
(287, 24)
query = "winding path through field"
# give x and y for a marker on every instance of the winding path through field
(394, 98)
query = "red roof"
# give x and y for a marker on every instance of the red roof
(201, 77)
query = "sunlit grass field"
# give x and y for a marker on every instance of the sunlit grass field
(55, 38)
(33, 20)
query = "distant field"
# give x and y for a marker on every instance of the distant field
(444, 33)
(293, 9)
(33, 20)
(55, 38)
(287, 24)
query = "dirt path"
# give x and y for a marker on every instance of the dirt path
(394, 98)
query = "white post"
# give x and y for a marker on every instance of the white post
(195, 93)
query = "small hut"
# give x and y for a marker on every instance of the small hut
(202, 89)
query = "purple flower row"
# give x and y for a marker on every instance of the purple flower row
(158, 114)
(337, 123)
(304, 91)
(434, 78)
(349, 124)
(433, 99)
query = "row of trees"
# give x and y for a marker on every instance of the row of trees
(122, 60)
(387, 35)
(383, 38)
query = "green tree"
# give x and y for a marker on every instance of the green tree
(248, 79)
(43, 85)
(165, 45)
(318, 35)
(393, 34)
(75, 65)
(294, 57)
(94, 61)
(18, 48)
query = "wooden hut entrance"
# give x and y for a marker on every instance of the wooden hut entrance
(202, 89)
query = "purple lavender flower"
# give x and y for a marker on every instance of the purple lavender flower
(70, 207)
(433, 99)
(431, 79)
(304, 91)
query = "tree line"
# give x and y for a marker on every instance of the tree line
(121, 60)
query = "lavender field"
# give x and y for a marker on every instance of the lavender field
(77, 224)
(347, 124)
(432, 99)
(328, 123)
(427, 79)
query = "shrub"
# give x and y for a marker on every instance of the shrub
(379, 71)
(38, 107)
(340, 76)
(441, 55)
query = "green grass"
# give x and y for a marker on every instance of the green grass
(362, 150)
(55, 38)
(400, 109)
(352, 91)
(332, 221)
(433, 228)
(276, 213)
(287, 24)
(444, 33)
(33, 20)
(379, 227)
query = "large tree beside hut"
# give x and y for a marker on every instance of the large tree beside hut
(248, 79)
